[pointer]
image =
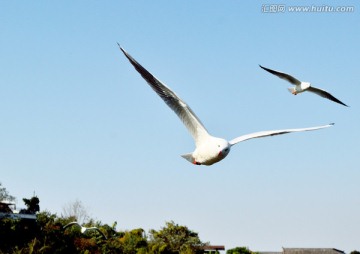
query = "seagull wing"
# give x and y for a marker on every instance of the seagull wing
(262, 134)
(282, 75)
(71, 224)
(184, 112)
(97, 229)
(325, 94)
(101, 232)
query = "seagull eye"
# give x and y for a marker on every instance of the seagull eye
(218, 145)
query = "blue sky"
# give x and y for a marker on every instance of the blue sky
(78, 122)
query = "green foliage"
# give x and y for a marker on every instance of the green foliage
(355, 252)
(174, 238)
(32, 205)
(133, 241)
(16, 233)
(46, 235)
(240, 250)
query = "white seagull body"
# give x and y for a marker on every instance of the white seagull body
(209, 149)
(83, 230)
(302, 86)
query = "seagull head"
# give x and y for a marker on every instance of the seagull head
(222, 147)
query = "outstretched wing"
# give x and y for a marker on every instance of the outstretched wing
(262, 134)
(325, 94)
(184, 112)
(282, 75)
(98, 230)
(71, 224)
(101, 233)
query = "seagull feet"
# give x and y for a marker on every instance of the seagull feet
(196, 163)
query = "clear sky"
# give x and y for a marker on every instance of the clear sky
(78, 122)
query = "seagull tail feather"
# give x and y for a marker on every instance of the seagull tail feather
(291, 90)
(188, 157)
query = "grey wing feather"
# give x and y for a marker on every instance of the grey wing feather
(325, 94)
(262, 134)
(98, 230)
(184, 112)
(71, 224)
(101, 233)
(282, 75)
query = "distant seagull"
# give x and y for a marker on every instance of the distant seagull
(209, 149)
(302, 86)
(84, 229)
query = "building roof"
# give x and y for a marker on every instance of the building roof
(312, 251)
(214, 247)
(269, 252)
(7, 202)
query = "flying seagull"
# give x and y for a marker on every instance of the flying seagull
(302, 86)
(84, 229)
(209, 149)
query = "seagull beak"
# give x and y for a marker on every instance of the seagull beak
(220, 154)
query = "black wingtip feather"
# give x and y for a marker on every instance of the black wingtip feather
(122, 49)
(144, 73)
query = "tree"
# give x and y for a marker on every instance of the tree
(47, 235)
(134, 241)
(32, 205)
(4, 194)
(174, 238)
(75, 210)
(239, 250)
(355, 252)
